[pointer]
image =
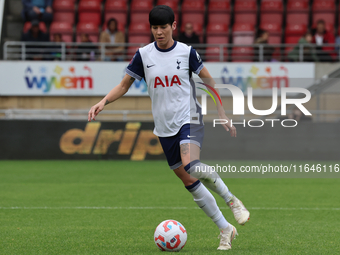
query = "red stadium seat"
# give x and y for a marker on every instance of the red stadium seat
(300, 6)
(88, 17)
(141, 6)
(297, 18)
(295, 29)
(193, 12)
(88, 28)
(218, 39)
(116, 6)
(89, 6)
(292, 39)
(212, 54)
(243, 39)
(243, 33)
(197, 18)
(245, 18)
(139, 29)
(325, 10)
(272, 28)
(323, 6)
(223, 18)
(242, 6)
(217, 29)
(274, 6)
(119, 16)
(64, 17)
(329, 18)
(271, 17)
(193, 6)
(242, 54)
(142, 39)
(64, 5)
(243, 27)
(63, 28)
(139, 17)
(274, 39)
(219, 7)
(217, 34)
(275, 34)
(28, 25)
(173, 4)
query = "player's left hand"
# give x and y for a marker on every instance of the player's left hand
(95, 110)
(228, 126)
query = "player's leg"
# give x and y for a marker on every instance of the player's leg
(190, 155)
(206, 201)
(201, 195)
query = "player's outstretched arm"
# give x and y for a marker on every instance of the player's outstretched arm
(206, 78)
(113, 95)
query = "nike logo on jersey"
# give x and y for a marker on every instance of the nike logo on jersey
(148, 66)
(189, 136)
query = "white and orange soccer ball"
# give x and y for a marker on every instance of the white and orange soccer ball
(170, 235)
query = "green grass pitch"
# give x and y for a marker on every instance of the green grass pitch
(113, 207)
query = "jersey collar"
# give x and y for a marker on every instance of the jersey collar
(166, 50)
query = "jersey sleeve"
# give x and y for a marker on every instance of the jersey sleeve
(135, 69)
(195, 62)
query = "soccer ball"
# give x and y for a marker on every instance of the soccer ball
(170, 235)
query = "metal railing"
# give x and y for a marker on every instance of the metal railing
(209, 52)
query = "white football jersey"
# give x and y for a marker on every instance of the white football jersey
(167, 74)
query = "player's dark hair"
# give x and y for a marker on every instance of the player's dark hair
(161, 15)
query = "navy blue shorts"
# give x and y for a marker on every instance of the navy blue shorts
(189, 133)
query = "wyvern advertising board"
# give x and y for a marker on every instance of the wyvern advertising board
(98, 78)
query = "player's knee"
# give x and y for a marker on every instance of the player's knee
(185, 177)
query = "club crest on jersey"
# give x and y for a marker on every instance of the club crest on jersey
(178, 63)
(198, 57)
(165, 82)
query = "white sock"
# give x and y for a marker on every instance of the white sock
(206, 201)
(211, 179)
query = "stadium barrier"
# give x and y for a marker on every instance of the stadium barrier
(29, 139)
(209, 52)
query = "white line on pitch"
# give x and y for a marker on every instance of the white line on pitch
(155, 208)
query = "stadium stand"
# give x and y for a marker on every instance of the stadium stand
(243, 33)
(88, 28)
(28, 25)
(214, 21)
(116, 9)
(245, 11)
(325, 10)
(63, 28)
(89, 12)
(193, 10)
(297, 12)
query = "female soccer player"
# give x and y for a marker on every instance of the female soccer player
(167, 65)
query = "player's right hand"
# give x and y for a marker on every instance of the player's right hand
(95, 110)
